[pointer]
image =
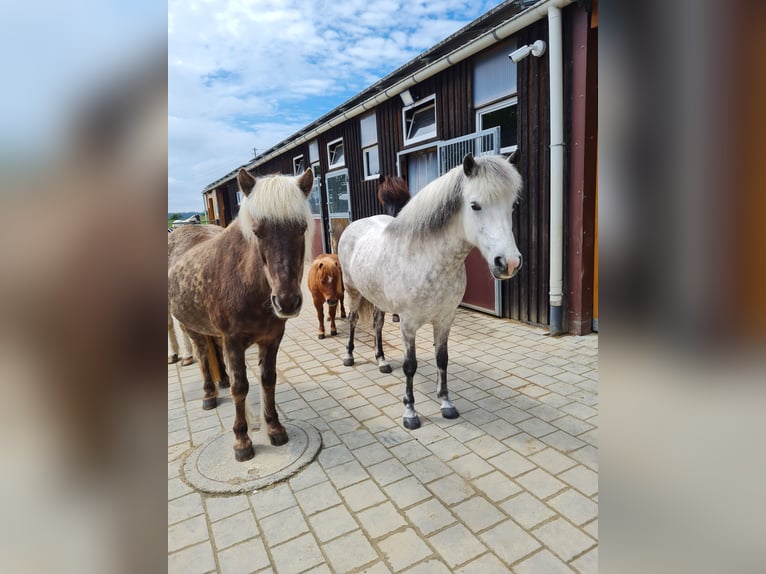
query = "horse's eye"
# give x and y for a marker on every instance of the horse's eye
(475, 206)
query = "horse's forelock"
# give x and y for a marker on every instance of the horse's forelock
(275, 198)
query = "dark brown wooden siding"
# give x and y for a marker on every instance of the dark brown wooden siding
(525, 297)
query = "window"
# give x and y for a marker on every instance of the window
(494, 75)
(338, 194)
(335, 154)
(505, 115)
(420, 120)
(369, 129)
(315, 199)
(313, 151)
(298, 168)
(422, 169)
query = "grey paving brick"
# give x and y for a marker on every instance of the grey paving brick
(297, 555)
(283, 526)
(221, 507)
(247, 556)
(582, 478)
(335, 455)
(486, 446)
(346, 474)
(317, 497)
(196, 559)
(542, 562)
(177, 488)
(410, 451)
(271, 500)
(525, 444)
(184, 507)
(592, 528)
(429, 567)
(388, 471)
(565, 540)
(430, 516)
(496, 486)
(404, 549)
(407, 492)
(381, 520)
(587, 455)
(527, 510)
(451, 489)
(470, 466)
(332, 523)
(429, 469)
(235, 528)
(552, 460)
(509, 541)
(574, 506)
(362, 495)
(486, 564)
(478, 514)
(456, 545)
(587, 563)
(540, 483)
(563, 441)
(371, 454)
(448, 449)
(186, 533)
(511, 463)
(349, 552)
(501, 429)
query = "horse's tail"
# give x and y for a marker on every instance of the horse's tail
(366, 310)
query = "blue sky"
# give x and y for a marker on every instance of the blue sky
(245, 74)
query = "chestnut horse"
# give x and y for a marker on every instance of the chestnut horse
(326, 285)
(239, 286)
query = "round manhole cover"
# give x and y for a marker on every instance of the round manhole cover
(211, 467)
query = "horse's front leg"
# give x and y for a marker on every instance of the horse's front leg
(331, 309)
(235, 357)
(411, 419)
(269, 416)
(441, 334)
(378, 318)
(319, 306)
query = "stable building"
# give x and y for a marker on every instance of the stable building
(522, 77)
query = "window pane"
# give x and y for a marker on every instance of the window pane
(494, 75)
(369, 130)
(315, 198)
(423, 123)
(507, 119)
(337, 194)
(336, 154)
(313, 151)
(372, 166)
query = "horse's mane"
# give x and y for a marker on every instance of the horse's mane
(274, 198)
(434, 206)
(393, 194)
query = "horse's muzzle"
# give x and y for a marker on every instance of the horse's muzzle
(332, 302)
(286, 306)
(505, 269)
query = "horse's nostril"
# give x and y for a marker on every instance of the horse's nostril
(499, 262)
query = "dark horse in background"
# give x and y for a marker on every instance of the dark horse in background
(393, 195)
(238, 286)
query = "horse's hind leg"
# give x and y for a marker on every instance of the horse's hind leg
(235, 353)
(378, 318)
(223, 375)
(173, 341)
(319, 305)
(355, 300)
(269, 416)
(411, 419)
(204, 354)
(441, 334)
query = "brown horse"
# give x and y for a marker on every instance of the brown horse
(326, 285)
(393, 194)
(239, 286)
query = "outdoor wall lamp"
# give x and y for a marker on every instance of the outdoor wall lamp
(407, 98)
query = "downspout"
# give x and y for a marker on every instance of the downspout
(556, 293)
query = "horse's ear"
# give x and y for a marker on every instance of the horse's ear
(469, 165)
(306, 181)
(514, 157)
(321, 264)
(246, 181)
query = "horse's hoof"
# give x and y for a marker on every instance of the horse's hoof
(411, 423)
(385, 368)
(224, 384)
(187, 361)
(348, 362)
(450, 413)
(321, 336)
(333, 333)
(243, 454)
(278, 439)
(172, 359)
(343, 315)
(209, 403)
(395, 318)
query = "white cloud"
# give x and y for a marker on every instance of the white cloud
(248, 73)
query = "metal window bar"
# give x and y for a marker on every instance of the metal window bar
(452, 152)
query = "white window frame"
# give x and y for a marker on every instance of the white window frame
(367, 172)
(298, 161)
(330, 164)
(419, 106)
(369, 146)
(505, 103)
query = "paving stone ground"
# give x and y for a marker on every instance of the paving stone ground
(510, 486)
